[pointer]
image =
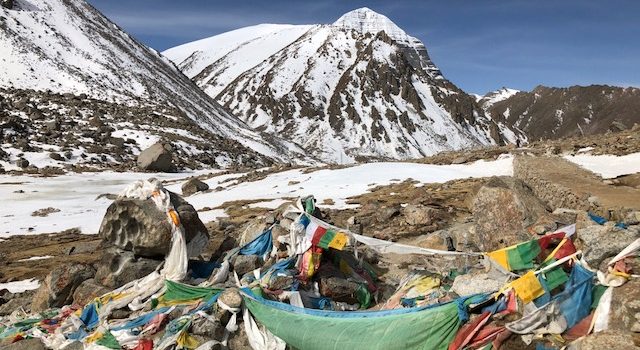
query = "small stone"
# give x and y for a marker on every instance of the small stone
(56, 156)
(231, 297)
(192, 186)
(22, 163)
(339, 289)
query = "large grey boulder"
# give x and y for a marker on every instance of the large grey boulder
(58, 287)
(604, 241)
(625, 307)
(140, 227)
(605, 340)
(502, 209)
(157, 158)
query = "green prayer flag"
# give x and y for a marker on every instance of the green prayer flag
(521, 256)
(596, 293)
(326, 239)
(109, 341)
(555, 277)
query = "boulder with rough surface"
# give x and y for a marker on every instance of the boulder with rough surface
(604, 241)
(140, 227)
(88, 290)
(420, 214)
(502, 209)
(119, 267)
(25, 344)
(58, 287)
(156, 158)
(625, 307)
(192, 186)
(608, 340)
(246, 263)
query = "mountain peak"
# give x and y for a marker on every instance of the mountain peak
(365, 20)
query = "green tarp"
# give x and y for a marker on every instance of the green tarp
(430, 328)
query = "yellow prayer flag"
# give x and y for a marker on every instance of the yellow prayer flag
(527, 287)
(339, 241)
(500, 257)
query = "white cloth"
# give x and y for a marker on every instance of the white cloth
(631, 248)
(260, 338)
(601, 315)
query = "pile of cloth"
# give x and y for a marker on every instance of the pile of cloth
(314, 290)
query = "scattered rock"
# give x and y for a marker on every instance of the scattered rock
(58, 287)
(605, 340)
(156, 158)
(45, 211)
(231, 297)
(339, 289)
(420, 214)
(474, 283)
(192, 186)
(56, 156)
(207, 327)
(8, 4)
(625, 307)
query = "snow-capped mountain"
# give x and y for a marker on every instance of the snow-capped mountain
(67, 46)
(358, 88)
(491, 98)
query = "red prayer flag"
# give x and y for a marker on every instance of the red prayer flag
(317, 236)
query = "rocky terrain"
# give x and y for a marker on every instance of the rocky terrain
(52, 133)
(357, 89)
(545, 193)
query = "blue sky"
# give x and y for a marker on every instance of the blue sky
(479, 45)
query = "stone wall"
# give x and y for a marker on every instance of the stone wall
(554, 194)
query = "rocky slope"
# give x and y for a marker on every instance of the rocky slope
(69, 47)
(358, 88)
(48, 133)
(551, 113)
